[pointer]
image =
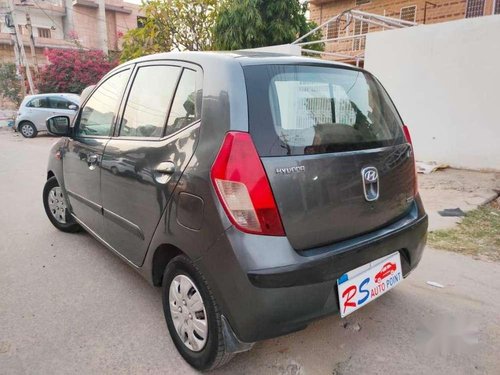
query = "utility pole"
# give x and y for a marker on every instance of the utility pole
(18, 61)
(101, 26)
(32, 42)
(20, 46)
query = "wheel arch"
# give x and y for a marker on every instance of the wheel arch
(162, 256)
(50, 174)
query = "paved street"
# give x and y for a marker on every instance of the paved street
(67, 306)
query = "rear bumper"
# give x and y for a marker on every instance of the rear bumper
(265, 302)
(348, 255)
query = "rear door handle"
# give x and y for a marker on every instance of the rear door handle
(163, 172)
(92, 160)
(166, 167)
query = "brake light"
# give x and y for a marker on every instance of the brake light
(243, 188)
(406, 131)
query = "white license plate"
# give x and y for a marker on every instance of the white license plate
(365, 283)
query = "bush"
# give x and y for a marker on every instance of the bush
(73, 70)
(10, 84)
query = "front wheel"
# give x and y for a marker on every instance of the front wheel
(192, 316)
(56, 209)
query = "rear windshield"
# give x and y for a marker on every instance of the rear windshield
(301, 109)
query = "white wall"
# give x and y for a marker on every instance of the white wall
(445, 81)
(287, 49)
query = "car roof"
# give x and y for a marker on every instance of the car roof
(243, 57)
(62, 94)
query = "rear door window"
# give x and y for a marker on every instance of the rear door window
(299, 109)
(185, 108)
(149, 100)
(39, 103)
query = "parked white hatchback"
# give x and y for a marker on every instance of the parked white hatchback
(35, 109)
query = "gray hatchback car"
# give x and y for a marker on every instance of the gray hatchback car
(259, 191)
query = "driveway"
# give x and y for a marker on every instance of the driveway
(67, 305)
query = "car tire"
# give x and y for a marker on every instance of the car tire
(213, 353)
(56, 207)
(27, 129)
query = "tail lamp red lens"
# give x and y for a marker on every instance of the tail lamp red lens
(243, 188)
(406, 131)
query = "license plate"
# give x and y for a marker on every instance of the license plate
(365, 283)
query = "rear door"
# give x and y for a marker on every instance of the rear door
(333, 148)
(144, 161)
(83, 155)
(39, 111)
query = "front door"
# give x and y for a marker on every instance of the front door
(145, 160)
(83, 155)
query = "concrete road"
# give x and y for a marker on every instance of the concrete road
(67, 306)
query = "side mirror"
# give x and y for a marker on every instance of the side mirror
(58, 125)
(73, 107)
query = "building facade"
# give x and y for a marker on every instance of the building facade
(420, 11)
(64, 24)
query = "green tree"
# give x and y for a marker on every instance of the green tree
(10, 84)
(257, 23)
(175, 24)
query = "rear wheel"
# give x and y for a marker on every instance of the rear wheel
(28, 130)
(192, 315)
(56, 208)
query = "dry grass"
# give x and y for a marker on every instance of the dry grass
(477, 234)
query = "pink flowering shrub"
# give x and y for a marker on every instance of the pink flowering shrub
(73, 70)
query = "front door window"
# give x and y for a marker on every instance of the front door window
(98, 114)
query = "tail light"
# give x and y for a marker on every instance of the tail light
(243, 188)
(406, 131)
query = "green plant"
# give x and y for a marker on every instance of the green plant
(257, 23)
(10, 83)
(175, 24)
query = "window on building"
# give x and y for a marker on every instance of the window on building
(496, 10)
(360, 28)
(43, 33)
(361, 2)
(332, 30)
(475, 8)
(141, 21)
(408, 13)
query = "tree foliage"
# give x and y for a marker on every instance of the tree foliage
(174, 24)
(10, 84)
(257, 23)
(73, 70)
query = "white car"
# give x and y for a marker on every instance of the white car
(35, 109)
